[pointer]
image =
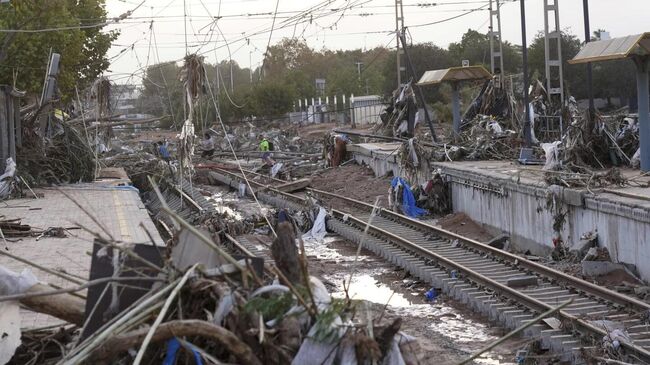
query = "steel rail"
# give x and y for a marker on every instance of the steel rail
(480, 279)
(470, 274)
(262, 187)
(521, 262)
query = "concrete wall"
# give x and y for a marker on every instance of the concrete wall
(504, 204)
(520, 210)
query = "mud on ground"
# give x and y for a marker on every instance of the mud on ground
(353, 181)
(463, 225)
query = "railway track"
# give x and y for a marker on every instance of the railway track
(504, 287)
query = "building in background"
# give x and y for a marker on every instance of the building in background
(124, 99)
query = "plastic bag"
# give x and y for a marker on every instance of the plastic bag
(318, 230)
(275, 169)
(552, 153)
(12, 283)
(6, 180)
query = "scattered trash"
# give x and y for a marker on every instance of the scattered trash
(431, 294)
(7, 180)
(403, 199)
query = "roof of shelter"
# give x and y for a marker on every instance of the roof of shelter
(614, 49)
(454, 74)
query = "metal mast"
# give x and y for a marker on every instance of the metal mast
(399, 29)
(496, 47)
(553, 55)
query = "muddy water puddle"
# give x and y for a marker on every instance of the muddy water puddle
(227, 202)
(440, 325)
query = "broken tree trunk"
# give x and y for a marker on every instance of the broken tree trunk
(64, 306)
(179, 328)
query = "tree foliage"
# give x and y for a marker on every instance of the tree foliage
(475, 47)
(291, 68)
(25, 55)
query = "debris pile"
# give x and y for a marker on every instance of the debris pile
(495, 103)
(64, 155)
(234, 312)
(399, 119)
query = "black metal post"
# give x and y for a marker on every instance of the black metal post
(524, 54)
(418, 90)
(590, 91)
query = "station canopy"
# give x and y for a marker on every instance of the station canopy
(454, 74)
(614, 49)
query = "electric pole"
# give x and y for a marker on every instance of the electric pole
(524, 53)
(496, 46)
(359, 68)
(590, 91)
(553, 56)
(399, 29)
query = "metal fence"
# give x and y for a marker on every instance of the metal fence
(357, 111)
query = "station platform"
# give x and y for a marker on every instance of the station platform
(507, 197)
(110, 200)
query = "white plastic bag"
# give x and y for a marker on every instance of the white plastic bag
(7, 178)
(318, 230)
(275, 169)
(12, 283)
(552, 153)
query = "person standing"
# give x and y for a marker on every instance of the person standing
(207, 145)
(265, 148)
(164, 151)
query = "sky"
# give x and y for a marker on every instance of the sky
(242, 30)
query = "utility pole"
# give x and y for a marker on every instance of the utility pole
(359, 68)
(399, 30)
(496, 46)
(250, 65)
(418, 90)
(553, 56)
(590, 91)
(524, 53)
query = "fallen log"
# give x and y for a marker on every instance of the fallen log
(116, 345)
(63, 306)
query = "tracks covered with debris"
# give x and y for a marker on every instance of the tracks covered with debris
(504, 287)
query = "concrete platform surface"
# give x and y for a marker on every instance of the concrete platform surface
(117, 208)
(534, 175)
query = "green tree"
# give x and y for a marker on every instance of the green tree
(425, 57)
(475, 47)
(162, 92)
(573, 74)
(271, 99)
(83, 51)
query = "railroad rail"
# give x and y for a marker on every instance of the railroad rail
(478, 275)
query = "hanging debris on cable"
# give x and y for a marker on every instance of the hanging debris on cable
(493, 101)
(399, 119)
(192, 75)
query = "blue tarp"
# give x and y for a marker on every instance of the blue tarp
(173, 345)
(408, 200)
